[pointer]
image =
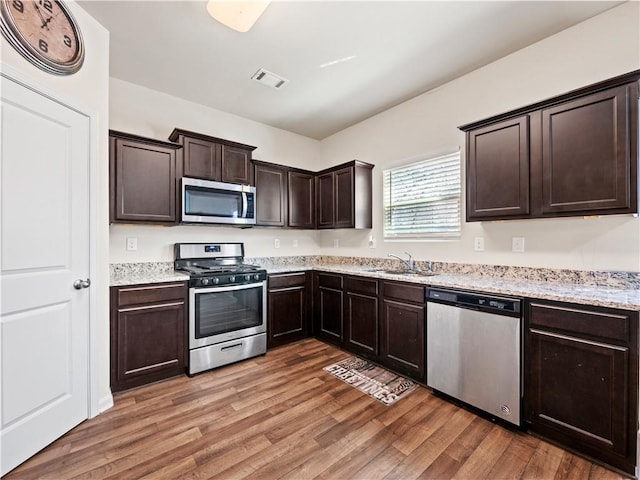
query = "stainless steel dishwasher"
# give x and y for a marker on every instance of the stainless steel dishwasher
(474, 350)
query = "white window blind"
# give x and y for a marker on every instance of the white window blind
(423, 199)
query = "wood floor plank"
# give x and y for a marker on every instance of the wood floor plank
(433, 445)
(358, 459)
(281, 416)
(483, 458)
(573, 468)
(544, 462)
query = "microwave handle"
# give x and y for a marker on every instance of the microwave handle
(245, 205)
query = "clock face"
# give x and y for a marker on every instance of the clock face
(44, 32)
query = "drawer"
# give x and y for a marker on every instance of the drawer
(328, 280)
(404, 291)
(156, 293)
(361, 285)
(581, 320)
(284, 280)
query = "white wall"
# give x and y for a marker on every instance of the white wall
(150, 113)
(87, 91)
(597, 49)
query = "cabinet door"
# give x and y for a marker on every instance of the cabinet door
(581, 380)
(361, 316)
(144, 178)
(403, 338)
(498, 170)
(586, 154)
(330, 314)
(328, 305)
(302, 212)
(235, 165)
(202, 159)
(150, 344)
(326, 200)
(344, 198)
(271, 196)
(288, 308)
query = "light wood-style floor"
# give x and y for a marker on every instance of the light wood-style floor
(282, 417)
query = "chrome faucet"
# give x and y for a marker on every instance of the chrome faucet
(409, 263)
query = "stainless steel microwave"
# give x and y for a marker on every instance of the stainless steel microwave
(205, 201)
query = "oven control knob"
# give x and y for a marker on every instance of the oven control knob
(247, 278)
(215, 280)
(204, 281)
(232, 279)
(257, 276)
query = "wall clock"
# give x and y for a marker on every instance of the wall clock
(45, 33)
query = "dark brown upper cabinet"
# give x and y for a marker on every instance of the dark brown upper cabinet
(575, 154)
(142, 175)
(285, 197)
(339, 197)
(587, 152)
(498, 170)
(301, 199)
(344, 196)
(213, 158)
(271, 194)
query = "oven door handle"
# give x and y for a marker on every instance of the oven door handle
(245, 205)
(226, 288)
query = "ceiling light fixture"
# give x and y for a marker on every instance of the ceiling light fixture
(238, 15)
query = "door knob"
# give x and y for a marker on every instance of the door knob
(80, 284)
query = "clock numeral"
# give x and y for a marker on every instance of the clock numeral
(43, 46)
(48, 6)
(67, 41)
(18, 5)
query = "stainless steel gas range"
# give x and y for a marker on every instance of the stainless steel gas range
(227, 304)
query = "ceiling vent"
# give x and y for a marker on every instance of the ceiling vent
(269, 79)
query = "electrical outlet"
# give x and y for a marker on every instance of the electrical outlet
(336, 243)
(372, 241)
(276, 243)
(132, 244)
(295, 243)
(478, 244)
(517, 244)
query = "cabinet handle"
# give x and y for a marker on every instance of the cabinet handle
(232, 346)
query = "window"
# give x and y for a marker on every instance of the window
(422, 199)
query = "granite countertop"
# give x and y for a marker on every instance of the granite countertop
(142, 273)
(614, 296)
(624, 298)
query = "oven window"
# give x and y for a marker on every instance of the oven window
(228, 311)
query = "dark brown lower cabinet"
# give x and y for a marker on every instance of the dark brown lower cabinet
(403, 335)
(288, 310)
(581, 379)
(361, 316)
(328, 303)
(148, 332)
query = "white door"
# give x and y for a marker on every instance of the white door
(44, 241)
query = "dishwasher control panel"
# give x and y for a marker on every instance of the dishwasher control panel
(500, 305)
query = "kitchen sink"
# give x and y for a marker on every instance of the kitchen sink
(417, 273)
